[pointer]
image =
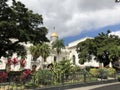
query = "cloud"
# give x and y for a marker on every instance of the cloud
(72, 17)
(116, 33)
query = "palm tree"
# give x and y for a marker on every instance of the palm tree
(45, 51)
(35, 52)
(42, 50)
(58, 45)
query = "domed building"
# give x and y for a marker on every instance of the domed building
(69, 52)
(54, 34)
(53, 54)
(53, 37)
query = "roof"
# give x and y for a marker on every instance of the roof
(54, 34)
(74, 43)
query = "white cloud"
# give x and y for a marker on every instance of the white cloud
(71, 17)
(116, 33)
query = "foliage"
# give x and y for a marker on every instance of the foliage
(88, 68)
(58, 45)
(34, 50)
(75, 69)
(30, 85)
(116, 66)
(85, 49)
(102, 73)
(18, 24)
(45, 51)
(44, 77)
(94, 71)
(118, 77)
(60, 69)
(104, 47)
(111, 72)
(42, 50)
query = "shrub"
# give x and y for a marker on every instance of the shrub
(94, 71)
(102, 73)
(88, 68)
(111, 72)
(75, 69)
(14, 75)
(30, 85)
(44, 77)
(118, 78)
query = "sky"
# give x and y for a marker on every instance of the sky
(75, 19)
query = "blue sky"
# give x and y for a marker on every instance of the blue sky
(75, 19)
(113, 28)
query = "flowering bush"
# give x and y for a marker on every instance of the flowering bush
(3, 76)
(9, 62)
(14, 61)
(26, 73)
(22, 63)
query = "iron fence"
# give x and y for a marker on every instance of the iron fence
(17, 81)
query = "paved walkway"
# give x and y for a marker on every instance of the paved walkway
(109, 86)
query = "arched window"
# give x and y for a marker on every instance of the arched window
(73, 59)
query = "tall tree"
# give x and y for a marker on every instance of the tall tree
(104, 47)
(38, 50)
(58, 45)
(85, 50)
(21, 24)
(45, 51)
(35, 51)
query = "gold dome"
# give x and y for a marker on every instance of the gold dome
(54, 34)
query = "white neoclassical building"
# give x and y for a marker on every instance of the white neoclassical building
(69, 52)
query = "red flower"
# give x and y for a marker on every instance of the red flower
(27, 72)
(3, 75)
(9, 62)
(14, 61)
(22, 63)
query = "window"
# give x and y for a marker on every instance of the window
(73, 59)
(55, 58)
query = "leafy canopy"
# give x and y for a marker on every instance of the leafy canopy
(58, 45)
(104, 47)
(21, 24)
(42, 50)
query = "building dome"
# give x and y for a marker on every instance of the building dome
(54, 34)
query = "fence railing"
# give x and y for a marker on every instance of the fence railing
(18, 81)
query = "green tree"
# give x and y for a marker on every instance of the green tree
(105, 47)
(35, 51)
(61, 69)
(45, 51)
(85, 50)
(21, 24)
(58, 45)
(38, 50)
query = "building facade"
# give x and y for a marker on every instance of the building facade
(69, 52)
